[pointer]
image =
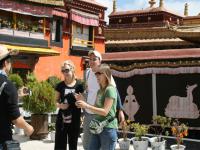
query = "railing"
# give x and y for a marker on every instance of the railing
(145, 24)
(137, 25)
(82, 43)
(19, 33)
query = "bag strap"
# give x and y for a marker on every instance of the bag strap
(87, 74)
(2, 87)
(111, 119)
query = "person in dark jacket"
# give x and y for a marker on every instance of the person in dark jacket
(9, 109)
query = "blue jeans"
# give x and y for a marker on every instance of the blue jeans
(106, 140)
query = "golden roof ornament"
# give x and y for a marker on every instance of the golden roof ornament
(114, 6)
(161, 3)
(152, 2)
(186, 9)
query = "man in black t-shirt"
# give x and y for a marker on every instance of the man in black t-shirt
(9, 110)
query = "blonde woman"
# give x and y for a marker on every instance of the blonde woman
(68, 118)
(105, 107)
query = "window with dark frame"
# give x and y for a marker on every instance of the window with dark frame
(56, 30)
(82, 35)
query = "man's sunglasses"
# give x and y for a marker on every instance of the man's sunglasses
(98, 73)
(66, 70)
(94, 59)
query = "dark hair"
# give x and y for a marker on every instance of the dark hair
(7, 58)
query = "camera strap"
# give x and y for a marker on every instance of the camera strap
(2, 87)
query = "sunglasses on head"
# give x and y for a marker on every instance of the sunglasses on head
(66, 70)
(94, 59)
(98, 73)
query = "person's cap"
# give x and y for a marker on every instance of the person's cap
(95, 53)
(5, 53)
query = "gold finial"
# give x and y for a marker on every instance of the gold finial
(114, 6)
(152, 2)
(161, 3)
(186, 9)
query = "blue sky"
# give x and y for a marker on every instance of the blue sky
(176, 6)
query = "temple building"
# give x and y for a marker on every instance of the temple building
(154, 54)
(48, 32)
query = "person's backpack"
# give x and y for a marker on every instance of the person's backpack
(2, 87)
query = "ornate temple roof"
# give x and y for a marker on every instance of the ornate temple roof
(149, 44)
(139, 33)
(189, 33)
(93, 2)
(61, 2)
(138, 41)
(142, 28)
(144, 18)
(135, 44)
(192, 17)
(153, 55)
(26, 8)
(150, 9)
(147, 10)
(50, 2)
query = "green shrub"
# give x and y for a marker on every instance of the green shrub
(140, 130)
(42, 97)
(30, 77)
(16, 79)
(53, 81)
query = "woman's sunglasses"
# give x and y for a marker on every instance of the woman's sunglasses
(66, 70)
(98, 73)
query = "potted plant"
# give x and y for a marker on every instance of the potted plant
(179, 130)
(53, 81)
(124, 142)
(40, 102)
(160, 124)
(16, 79)
(139, 141)
(52, 131)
